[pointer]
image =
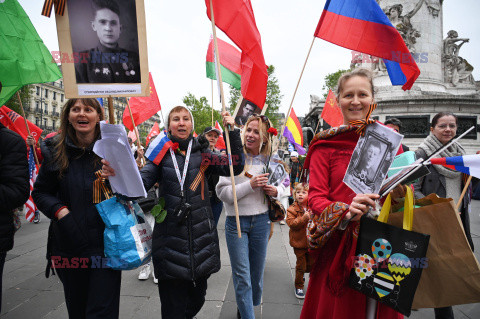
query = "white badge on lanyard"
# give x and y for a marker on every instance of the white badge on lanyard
(181, 179)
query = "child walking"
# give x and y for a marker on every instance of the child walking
(297, 219)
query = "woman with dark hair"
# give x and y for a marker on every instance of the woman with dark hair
(443, 181)
(337, 210)
(64, 192)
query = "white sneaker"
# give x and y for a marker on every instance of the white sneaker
(145, 272)
(282, 222)
(155, 280)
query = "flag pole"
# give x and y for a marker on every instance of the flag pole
(212, 101)
(135, 130)
(111, 117)
(318, 123)
(295, 92)
(464, 191)
(227, 135)
(28, 129)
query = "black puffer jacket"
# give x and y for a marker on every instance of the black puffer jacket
(189, 250)
(79, 233)
(14, 182)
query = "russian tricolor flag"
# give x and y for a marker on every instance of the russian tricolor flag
(468, 164)
(158, 148)
(362, 26)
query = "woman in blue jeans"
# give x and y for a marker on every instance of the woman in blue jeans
(248, 253)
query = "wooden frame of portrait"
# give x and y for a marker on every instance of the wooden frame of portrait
(241, 104)
(92, 90)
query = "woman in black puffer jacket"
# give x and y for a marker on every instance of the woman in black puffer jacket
(63, 192)
(185, 248)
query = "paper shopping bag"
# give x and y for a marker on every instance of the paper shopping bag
(389, 260)
(452, 275)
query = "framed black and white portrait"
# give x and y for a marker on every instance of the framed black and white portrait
(372, 158)
(244, 110)
(103, 48)
(277, 173)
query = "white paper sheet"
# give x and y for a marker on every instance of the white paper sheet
(114, 147)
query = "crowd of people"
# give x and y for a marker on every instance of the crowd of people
(185, 250)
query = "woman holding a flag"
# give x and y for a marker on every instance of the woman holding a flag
(185, 248)
(333, 230)
(248, 253)
(443, 181)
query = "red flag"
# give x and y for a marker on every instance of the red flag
(221, 141)
(132, 135)
(142, 108)
(195, 134)
(331, 111)
(235, 18)
(153, 132)
(16, 123)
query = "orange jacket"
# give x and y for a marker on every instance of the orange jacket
(297, 220)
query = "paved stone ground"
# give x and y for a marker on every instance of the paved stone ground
(28, 294)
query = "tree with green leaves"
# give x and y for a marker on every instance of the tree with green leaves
(274, 97)
(331, 81)
(25, 95)
(202, 112)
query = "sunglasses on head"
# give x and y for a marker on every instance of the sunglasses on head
(263, 118)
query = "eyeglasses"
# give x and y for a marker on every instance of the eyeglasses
(263, 118)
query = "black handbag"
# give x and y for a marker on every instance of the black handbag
(389, 260)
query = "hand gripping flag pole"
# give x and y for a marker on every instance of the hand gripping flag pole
(217, 59)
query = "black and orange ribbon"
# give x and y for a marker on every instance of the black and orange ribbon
(99, 186)
(362, 124)
(59, 7)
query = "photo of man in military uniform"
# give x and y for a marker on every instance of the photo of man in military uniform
(107, 62)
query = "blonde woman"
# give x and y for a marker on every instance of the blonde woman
(248, 254)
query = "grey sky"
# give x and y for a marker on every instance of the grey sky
(178, 33)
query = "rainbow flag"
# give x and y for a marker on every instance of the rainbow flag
(468, 164)
(293, 132)
(158, 148)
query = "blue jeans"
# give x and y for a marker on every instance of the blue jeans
(247, 257)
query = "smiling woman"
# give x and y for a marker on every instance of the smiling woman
(64, 192)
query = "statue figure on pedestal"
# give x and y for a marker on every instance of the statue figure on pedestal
(456, 69)
(403, 24)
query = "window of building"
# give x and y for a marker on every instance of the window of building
(46, 93)
(61, 84)
(37, 105)
(37, 121)
(53, 125)
(44, 122)
(55, 95)
(61, 97)
(38, 90)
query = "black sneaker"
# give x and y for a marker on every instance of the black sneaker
(36, 219)
(299, 293)
(238, 314)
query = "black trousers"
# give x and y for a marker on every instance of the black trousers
(181, 298)
(91, 292)
(2, 263)
(444, 313)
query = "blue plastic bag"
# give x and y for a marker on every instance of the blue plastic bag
(127, 235)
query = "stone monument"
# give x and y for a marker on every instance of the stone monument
(445, 83)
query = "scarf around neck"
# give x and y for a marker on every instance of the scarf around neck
(431, 144)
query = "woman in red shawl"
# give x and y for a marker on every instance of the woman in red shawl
(337, 209)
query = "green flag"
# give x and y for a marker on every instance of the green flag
(24, 58)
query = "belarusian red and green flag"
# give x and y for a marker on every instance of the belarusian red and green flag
(229, 63)
(24, 58)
